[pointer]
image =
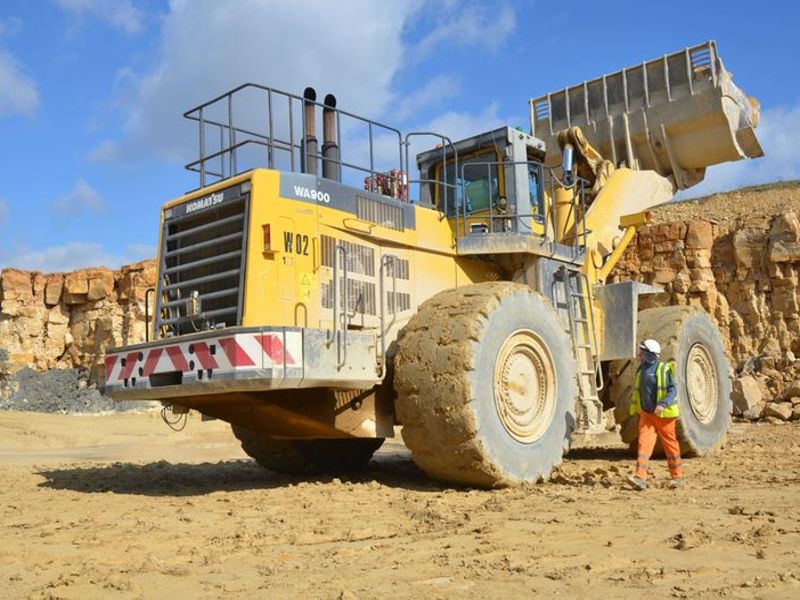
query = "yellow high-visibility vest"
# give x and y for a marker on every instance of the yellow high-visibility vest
(661, 391)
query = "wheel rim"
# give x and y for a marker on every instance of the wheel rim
(525, 386)
(701, 383)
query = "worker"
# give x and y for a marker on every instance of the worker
(655, 401)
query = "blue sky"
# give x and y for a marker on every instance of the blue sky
(91, 91)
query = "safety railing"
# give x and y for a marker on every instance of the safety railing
(449, 161)
(386, 260)
(258, 126)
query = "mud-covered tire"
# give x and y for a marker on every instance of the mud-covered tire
(297, 457)
(454, 407)
(693, 343)
(281, 456)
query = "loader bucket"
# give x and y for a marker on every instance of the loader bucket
(676, 115)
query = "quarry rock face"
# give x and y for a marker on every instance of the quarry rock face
(67, 320)
(738, 257)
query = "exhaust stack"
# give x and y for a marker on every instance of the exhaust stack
(331, 166)
(310, 148)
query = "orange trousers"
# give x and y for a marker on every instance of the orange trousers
(652, 427)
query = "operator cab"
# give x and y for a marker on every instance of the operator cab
(488, 182)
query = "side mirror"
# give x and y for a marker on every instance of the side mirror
(566, 165)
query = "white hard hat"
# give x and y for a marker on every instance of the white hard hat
(651, 346)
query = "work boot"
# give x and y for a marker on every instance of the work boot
(636, 483)
(675, 483)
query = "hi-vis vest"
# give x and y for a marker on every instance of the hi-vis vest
(661, 391)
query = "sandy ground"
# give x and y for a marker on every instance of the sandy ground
(119, 506)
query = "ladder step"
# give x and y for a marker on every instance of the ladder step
(588, 346)
(585, 321)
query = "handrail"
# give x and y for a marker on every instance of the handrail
(446, 143)
(384, 262)
(277, 116)
(599, 382)
(341, 356)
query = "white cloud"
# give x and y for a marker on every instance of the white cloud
(82, 197)
(18, 93)
(119, 14)
(467, 24)
(352, 49)
(436, 91)
(778, 133)
(67, 257)
(105, 151)
(459, 125)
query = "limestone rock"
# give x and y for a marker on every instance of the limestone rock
(779, 410)
(53, 289)
(745, 274)
(754, 413)
(17, 285)
(67, 320)
(699, 235)
(746, 394)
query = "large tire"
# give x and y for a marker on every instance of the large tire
(281, 456)
(296, 457)
(693, 343)
(339, 455)
(486, 382)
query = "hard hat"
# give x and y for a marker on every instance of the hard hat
(651, 346)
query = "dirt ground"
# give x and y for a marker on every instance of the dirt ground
(118, 506)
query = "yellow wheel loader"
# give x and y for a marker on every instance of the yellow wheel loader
(317, 293)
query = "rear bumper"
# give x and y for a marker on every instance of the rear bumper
(241, 359)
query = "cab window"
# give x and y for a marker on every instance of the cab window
(536, 192)
(476, 184)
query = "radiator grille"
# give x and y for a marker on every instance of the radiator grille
(381, 213)
(397, 302)
(360, 297)
(203, 253)
(360, 259)
(397, 268)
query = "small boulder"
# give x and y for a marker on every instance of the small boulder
(754, 413)
(746, 394)
(779, 410)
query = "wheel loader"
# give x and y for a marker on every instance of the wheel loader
(316, 294)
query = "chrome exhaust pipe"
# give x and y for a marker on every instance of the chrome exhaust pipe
(331, 165)
(309, 148)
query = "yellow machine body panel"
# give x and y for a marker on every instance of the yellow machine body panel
(289, 260)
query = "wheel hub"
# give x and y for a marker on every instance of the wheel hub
(701, 384)
(525, 386)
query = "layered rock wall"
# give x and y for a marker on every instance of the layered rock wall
(745, 274)
(67, 320)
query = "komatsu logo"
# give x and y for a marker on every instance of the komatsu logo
(304, 192)
(204, 202)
